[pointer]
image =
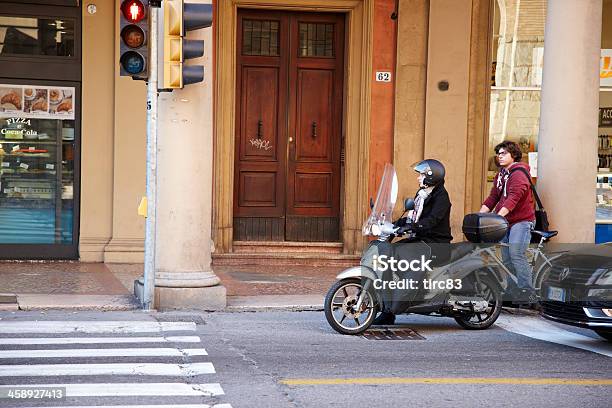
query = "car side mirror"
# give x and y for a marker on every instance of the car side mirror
(408, 204)
(371, 204)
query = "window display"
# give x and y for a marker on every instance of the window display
(37, 170)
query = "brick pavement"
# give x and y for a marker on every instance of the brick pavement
(78, 278)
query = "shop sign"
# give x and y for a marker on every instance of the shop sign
(605, 71)
(605, 117)
(36, 101)
(17, 129)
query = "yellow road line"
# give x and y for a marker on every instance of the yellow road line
(442, 380)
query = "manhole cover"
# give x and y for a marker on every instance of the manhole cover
(392, 334)
(8, 299)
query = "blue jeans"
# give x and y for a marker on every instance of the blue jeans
(515, 256)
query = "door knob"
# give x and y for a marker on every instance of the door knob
(290, 139)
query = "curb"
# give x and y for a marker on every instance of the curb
(290, 303)
(29, 302)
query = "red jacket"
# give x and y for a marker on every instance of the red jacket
(512, 189)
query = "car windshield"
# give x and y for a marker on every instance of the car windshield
(385, 200)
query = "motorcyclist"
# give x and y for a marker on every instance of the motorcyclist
(429, 222)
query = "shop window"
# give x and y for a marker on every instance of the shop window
(37, 164)
(516, 80)
(516, 77)
(316, 40)
(260, 37)
(37, 36)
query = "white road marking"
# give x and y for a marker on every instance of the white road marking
(130, 389)
(145, 406)
(58, 327)
(98, 340)
(38, 370)
(121, 352)
(539, 329)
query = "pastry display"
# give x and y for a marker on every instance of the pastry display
(29, 93)
(55, 95)
(40, 105)
(11, 98)
(65, 106)
(36, 101)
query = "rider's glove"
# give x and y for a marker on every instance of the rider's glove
(401, 222)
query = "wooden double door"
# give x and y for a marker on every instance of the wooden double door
(288, 126)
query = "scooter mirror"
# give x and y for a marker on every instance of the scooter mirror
(408, 204)
(371, 204)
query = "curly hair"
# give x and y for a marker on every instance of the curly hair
(512, 148)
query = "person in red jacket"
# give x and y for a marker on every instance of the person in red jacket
(511, 198)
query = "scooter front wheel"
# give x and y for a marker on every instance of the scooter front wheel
(340, 307)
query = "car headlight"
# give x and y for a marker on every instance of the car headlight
(600, 294)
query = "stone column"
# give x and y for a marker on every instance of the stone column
(567, 145)
(184, 277)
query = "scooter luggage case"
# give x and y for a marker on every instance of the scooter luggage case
(482, 228)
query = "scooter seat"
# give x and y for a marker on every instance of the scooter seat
(461, 249)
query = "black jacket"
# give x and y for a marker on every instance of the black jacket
(434, 223)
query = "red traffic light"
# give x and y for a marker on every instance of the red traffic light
(133, 10)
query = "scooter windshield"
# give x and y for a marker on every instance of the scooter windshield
(385, 200)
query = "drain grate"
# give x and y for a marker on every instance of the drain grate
(198, 320)
(388, 333)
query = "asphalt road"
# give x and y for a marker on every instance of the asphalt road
(294, 359)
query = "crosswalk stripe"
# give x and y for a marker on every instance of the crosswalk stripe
(145, 406)
(38, 370)
(121, 352)
(130, 389)
(543, 330)
(97, 340)
(58, 327)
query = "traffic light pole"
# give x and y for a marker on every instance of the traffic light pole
(150, 230)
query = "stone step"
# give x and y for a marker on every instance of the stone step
(287, 247)
(285, 258)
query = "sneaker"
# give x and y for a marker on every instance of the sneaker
(526, 298)
(384, 318)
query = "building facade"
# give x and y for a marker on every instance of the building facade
(281, 147)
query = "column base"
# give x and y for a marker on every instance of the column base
(211, 298)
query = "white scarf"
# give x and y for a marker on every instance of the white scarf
(422, 194)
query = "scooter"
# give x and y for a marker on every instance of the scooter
(465, 283)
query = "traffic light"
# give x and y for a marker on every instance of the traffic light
(178, 18)
(134, 33)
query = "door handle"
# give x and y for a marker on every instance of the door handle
(259, 128)
(314, 129)
(290, 139)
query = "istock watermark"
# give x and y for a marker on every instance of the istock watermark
(413, 284)
(383, 263)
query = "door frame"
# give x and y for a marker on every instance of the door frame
(356, 114)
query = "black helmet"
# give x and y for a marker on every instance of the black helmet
(433, 171)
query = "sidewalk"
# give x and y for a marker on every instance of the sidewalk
(34, 285)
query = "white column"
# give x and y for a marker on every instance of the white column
(567, 145)
(184, 277)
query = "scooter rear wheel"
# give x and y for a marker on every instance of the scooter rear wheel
(488, 290)
(340, 305)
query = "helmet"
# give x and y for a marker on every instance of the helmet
(433, 171)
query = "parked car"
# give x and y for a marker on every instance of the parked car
(577, 289)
